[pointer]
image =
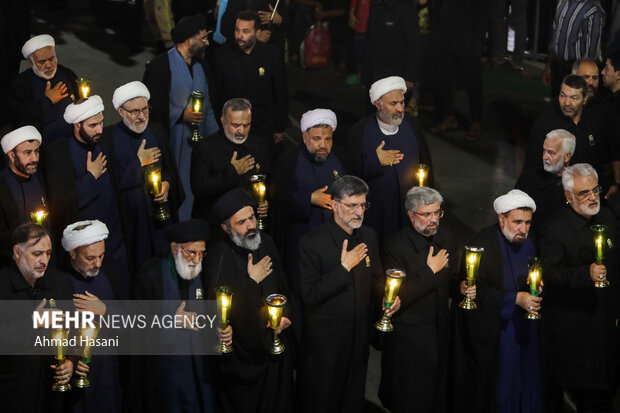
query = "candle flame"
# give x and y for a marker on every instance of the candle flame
(224, 301)
(273, 311)
(392, 283)
(471, 258)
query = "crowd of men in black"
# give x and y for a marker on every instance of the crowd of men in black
(111, 234)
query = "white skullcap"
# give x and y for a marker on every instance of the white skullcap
(383, 86)
(36, 43)
(318, 117)
(23, 134)
(93, 231)
(512, 200)
(129, 91)
(75, 113)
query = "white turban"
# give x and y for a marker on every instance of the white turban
(36, 43)
(318, 117)
(130, 91)
(512, 200)
(383, 86)
(93, 231)
(75, 113)
(23, 134)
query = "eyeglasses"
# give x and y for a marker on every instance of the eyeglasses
(586, 193)
(427, 215)
(135, 112)
(364, 205)
(204, 39)
(191, 254)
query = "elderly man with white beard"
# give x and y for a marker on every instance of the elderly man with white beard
(385, 149)
(39, 95)
(93, 285)
(580, 319)
(138, 143)
(178, 383)
(544, 183)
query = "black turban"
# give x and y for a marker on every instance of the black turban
(187, 27)
(188, 231)
(232, 202)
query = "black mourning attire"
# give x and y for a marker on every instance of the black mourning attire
(250, 379)
(26, 381)
(339, 310)
(414, 356)
(30, 106)
(579, 318)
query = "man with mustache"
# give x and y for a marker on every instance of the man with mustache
(138, 143)
(226, 160)
(385, 150)
(78, 183)
(593, 141)
(94, 284)
(341, 284)
(497, 365)
(39, 95)
(544, 183)
(30, 278)
(301, 195)
(250, 379)
(254, 70)
(171, 78)
(19, 183)
(580, 319)
(179, 383)
(413, 360)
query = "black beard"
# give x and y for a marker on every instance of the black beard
(90, 140)
(24, 168)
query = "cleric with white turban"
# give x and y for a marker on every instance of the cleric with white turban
(36, 43)
(78, 112)
(20, 135)
(317, 117)
(83, 233)
(386, 85)
(130, 91)
(514, 199)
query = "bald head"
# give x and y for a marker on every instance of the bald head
(588, 69)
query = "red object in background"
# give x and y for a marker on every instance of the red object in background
(316, 49)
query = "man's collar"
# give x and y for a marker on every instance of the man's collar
(386, 128)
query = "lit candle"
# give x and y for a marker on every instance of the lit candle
(390, 294)
(599, 247)
(274, 317)
(83, 85)
(534, 277)
(224, 312)
(471, 272)
(421, 177)
(39, 217)
(58, 337)
(422, 174)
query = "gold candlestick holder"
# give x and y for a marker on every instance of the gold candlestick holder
(259, 191)
(153, 183)
(276, 304)
(472, 261)
(422, 174)
(534, 277)
(59, 336)
(601, 243)
(223, 295)
(197, 98)
(83, 86)
(87, 334)
(392, 286)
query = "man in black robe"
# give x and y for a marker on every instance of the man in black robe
(226, 160)
(93, 286)
(544, 183)
(338, 267)
(138, 143)
(385, 150)
(580, 320)
(38, 96)
(414, 356)
(177, 383)
(249, 379)
(496, 364)
(29, 278)
(78, 183)
(594, 145)
(19, 183)
(254, 70)
(171, 78)
(301, 196)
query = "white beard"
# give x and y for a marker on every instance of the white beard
(185, 270)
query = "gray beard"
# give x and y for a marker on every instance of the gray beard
(241, 241)
(185, 271)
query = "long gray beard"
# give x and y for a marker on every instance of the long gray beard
(241, 241)
(185, 271)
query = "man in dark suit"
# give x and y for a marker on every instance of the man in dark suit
(414, 356)
(579, 318)
(496, 358)
(339, 265)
